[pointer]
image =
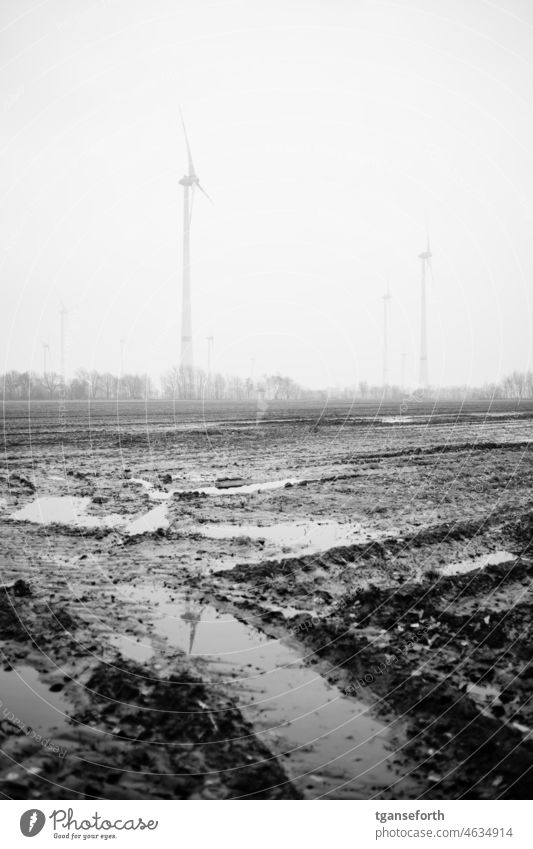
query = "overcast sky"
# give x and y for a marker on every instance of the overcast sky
(326, 131)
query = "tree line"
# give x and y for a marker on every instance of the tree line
(195, 384)
(178, 384)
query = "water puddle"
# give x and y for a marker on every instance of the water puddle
(156, 519)
(130, 648)
(28, 703)
(328, 743)
(65, 510)
(402, 419)
(464, 566)
(72, 511)
(309, 537)
(225, 488)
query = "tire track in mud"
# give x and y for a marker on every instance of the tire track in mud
(462, 683)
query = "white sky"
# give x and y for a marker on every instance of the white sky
(325, 132)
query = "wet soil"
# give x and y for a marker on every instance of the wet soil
(224, 601)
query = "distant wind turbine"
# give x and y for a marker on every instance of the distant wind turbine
(404, 356)
(189, 182)
(63, 329)
(425, 259)
(386, 299)
(122, 346)
(210, 355)
(46, 351)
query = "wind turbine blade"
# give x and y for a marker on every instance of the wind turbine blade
(189, 154)
(204, 192)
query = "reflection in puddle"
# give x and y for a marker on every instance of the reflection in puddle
(328, 743)
(493, 559)
(28, 703)
(301, 536)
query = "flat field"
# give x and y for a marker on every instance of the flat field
(271, 600)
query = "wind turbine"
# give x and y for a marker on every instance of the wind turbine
(189, 182)
(122, 346)
(425, 259)
(63, 322)
(210, 355)
(46, 351)
(386, 299)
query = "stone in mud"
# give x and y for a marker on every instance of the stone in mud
(166, 478)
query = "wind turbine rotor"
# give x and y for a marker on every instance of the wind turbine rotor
(192, 172)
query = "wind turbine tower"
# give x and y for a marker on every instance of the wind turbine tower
(189, 182)
(63, 327)
(386, 299)
(425, 259)
(46, 351)
(210, 355)
(404, 357)
(122, 346)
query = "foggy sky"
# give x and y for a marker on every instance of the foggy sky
(327, 133)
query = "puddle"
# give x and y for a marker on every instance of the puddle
(239, 490)
(402, 419)
(130, 648)
(154, 520)
(309, 537)
(328, 743)
(65, 510)
(464, 566)
(153, 492)
(27, 702)
(217, 489)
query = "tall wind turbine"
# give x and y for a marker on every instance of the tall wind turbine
(425, 259)
(386, 299)
(189, 182)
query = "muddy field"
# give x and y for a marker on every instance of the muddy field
(268, 601)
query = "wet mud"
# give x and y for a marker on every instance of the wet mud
(205, 602)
